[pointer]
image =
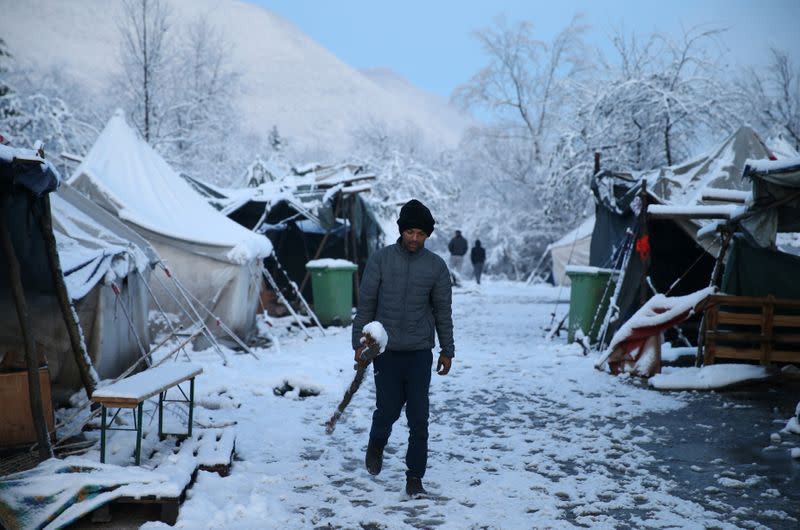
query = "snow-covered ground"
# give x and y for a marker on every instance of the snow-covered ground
(524, 433)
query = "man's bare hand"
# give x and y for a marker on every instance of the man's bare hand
(443, 365)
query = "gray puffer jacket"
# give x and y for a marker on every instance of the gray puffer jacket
(410, 294)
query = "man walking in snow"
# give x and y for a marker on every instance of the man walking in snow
(406, 288)
(478, 257)
(458, 248)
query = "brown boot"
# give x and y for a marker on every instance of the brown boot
(374, 459)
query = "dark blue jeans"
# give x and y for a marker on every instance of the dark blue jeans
(403, 378)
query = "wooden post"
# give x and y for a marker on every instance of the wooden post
(354, 241)
(34, 389)
(767, 320)
(717, 272)
(322, 244)
(67, 310)
(644, 290)
(709, 321)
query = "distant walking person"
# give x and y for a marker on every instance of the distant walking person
(478, 258)
(457, 247)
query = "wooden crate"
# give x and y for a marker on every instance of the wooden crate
(16, 420)
(749, 328)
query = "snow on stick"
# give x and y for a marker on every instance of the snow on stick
(374, 338)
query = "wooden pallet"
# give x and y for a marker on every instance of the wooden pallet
(766, 329)
(213, 451)
(168, 508)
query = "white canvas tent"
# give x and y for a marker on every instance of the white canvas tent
(571, 249)
(217, 261)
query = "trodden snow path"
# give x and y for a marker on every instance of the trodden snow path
(525, 433)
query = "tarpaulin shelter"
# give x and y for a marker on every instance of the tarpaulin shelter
(215, 260)
(106, 267)
(756, 265)
(104, 264)
(30, 279)
(312, 213)
(667, 256)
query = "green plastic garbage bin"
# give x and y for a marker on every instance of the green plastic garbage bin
(591, 288)
(332, 285)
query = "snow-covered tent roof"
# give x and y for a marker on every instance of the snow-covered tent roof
(129, 178)
(721, 168)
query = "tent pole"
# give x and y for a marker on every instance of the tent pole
(199, 320)
(299, 294)
(121, 302)
(643, 290)
(34, 388)
(161, 310)
(322, 244)
(536, 269)
(220, 322)
(727, 234)
(285, 302)
(82, 359)
(352, 202)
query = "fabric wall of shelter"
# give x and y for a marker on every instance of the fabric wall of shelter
(111, 344)
(230, 291)
(294, 248)
(575, 253)
(768, 189)
(608, 236)
(753, 271)
(674, 255)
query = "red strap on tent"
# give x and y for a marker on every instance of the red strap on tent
(115, 289)
(643, 247)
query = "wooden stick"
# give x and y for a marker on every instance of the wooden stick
(81, 356)
(34, 389)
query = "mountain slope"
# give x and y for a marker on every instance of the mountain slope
(287, 79)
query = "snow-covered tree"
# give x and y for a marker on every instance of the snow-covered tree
(8, 103)
(178, 86)
(146, 33)
(771, 98)
(276, 142)
(528, 88)
(655, 100)
(406, 168)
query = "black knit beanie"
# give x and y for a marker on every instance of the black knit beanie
(414, 214)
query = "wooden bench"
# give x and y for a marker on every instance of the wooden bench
(131, 392)
(749, 328)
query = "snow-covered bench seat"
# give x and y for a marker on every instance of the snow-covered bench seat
(131, 392)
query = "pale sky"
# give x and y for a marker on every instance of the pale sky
(430, 42)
